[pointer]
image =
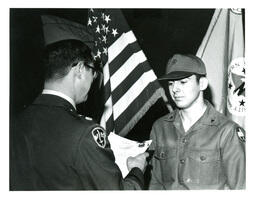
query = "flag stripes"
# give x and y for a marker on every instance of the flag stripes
(130, 85)
(123, 56)
(123, 71)
(126, 120)
(137, 63)
(132, 93)
(128, 82)
(120, 44)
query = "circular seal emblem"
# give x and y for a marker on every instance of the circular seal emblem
(237, 10)
(236, 102)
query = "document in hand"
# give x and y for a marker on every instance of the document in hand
(123, 148)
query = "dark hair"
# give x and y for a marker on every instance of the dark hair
(61, 56)
(198, 76)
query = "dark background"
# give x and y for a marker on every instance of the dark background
(160, 33)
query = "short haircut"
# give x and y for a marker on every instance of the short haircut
(61, 56)
(198, 76)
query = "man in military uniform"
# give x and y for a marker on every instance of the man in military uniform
(54, 148)
(195, 147)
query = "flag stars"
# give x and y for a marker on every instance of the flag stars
(114, 32)
(94, 18)
(106, 30)
(104, 39)
(103, 16)
(89, 22)
(98, 53)
(91, 9)
(97, 29)
(103, 27)
(94, 57)
(105, 51)
(107, 18)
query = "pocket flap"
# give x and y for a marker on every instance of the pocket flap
(204, 156)
(165, 152)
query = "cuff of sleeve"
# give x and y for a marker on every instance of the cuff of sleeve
(137, 175)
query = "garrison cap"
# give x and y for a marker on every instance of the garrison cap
(56, 29)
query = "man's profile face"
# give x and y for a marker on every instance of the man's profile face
(184, 92)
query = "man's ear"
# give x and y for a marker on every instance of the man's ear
(203, 83)
(78, 69)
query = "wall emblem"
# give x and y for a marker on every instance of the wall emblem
(236, 101)
(236, 11)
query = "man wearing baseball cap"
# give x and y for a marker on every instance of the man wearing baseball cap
(195, 146)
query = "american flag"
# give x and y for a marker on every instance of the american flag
(130, 85)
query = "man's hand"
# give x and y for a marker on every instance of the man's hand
(137, 161)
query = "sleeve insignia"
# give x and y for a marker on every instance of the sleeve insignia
(240, 133)
(99, 135)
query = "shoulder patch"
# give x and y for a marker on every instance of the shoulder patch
(99, 135)
(240, 133)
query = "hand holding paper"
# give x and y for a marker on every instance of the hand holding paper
(137, 161)
(124, 148)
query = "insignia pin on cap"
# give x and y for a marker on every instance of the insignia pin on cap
(182, 66)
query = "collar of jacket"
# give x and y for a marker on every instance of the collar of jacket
(209, 117)
(54, 101)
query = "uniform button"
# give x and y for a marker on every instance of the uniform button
(184, 140)
(202, 158)
(181, 180)
(182, 161)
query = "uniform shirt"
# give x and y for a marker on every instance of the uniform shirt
(53, 148)
(210, 155)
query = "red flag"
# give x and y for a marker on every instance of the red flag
(222, 50)
(130, 85)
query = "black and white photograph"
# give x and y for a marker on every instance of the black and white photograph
(116, 98)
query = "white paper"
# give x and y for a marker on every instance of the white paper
(123, 148)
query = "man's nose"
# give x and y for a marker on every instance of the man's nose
(175, 87)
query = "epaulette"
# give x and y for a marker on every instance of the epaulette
(85, 117)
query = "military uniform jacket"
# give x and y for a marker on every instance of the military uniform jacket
(53, 148)
(210, 155)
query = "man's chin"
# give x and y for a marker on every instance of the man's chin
(180, 105)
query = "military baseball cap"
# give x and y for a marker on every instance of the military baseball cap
(182, 66)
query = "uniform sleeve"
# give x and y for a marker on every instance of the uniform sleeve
(233, 157)
(154, 183)
(95, 165)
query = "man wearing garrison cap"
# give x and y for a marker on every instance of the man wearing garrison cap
(195, 147)
(52, 146)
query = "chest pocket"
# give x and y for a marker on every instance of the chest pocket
(204, 166)
(165, 157)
